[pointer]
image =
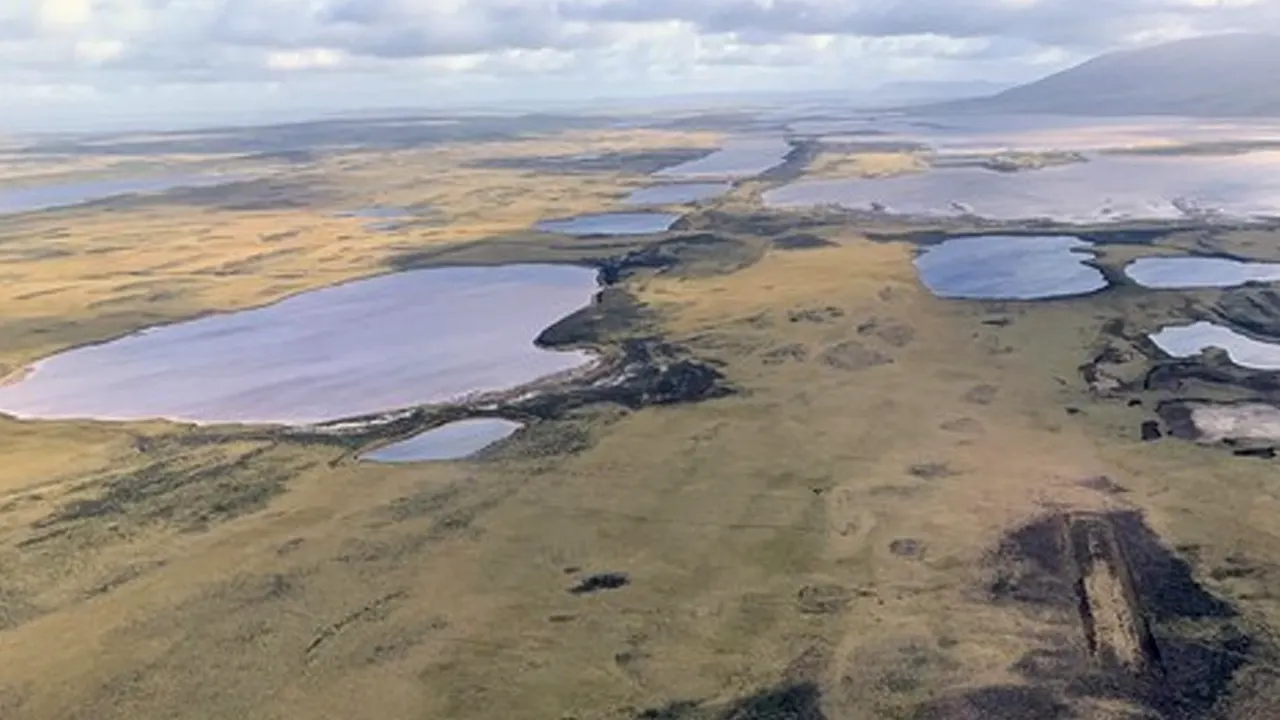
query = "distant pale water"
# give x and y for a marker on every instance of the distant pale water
(1164, 273)
(737, 158)
(677, 193)
(1037, 133)
(1190, 340)
(633, 223)
(368, 346)
(448, 442)
(1006, 267)
(1106, 189)
(66, 194)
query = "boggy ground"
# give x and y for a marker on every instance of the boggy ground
(894, 506)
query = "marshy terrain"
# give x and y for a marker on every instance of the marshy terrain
(807, 462)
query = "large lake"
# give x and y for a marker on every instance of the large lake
(1035, 133)
(1105, 189)
(1007, 267)
(737, 158)
(65, 194)
(367, 346)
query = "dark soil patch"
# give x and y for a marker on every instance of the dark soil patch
(1151, 431)
(1003, 702)
(907, 547)
(798, 701)
(1189, 644)
(602, 581)
(801, 241)
(817, 315)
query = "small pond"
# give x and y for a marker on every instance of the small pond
(1006, 267)
(677, 193)
(449, 442)
(1163, 273)
(372, 345)
(1190, 340)
(621, 223)
(21, 199)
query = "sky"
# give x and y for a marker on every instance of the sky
(72, 64)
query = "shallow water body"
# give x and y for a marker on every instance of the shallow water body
(1009, 267)
(632, 223)
(737, 158)
(1190, 340)
(367, 346)
(449, 442)
(66, 194)
(1105, 189)
(1173, 273)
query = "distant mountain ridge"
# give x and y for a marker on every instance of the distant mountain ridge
(1215, 76)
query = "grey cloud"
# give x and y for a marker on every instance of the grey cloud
(1077, 23)
(393, 30)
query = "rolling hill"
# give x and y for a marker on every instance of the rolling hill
(1214, 76)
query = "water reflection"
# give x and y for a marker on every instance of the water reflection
(367, 346)
(1001, 267)
(449, 442)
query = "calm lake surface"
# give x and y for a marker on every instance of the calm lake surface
(738, 158)
(1195, 272)
(1190, 340)
(622, 223)
(66, 194)
(1003, 267)
(448, 442)
(677, 193)
(1036, 133)
(367, 346)
(1105, 189)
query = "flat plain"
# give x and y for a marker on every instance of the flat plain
(882, 505)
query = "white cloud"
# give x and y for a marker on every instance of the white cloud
(518, 47)
(305, 59)
(64, 14)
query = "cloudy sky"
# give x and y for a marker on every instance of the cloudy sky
(83, 62)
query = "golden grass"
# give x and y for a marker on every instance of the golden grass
(834, 166)
(111, 272)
